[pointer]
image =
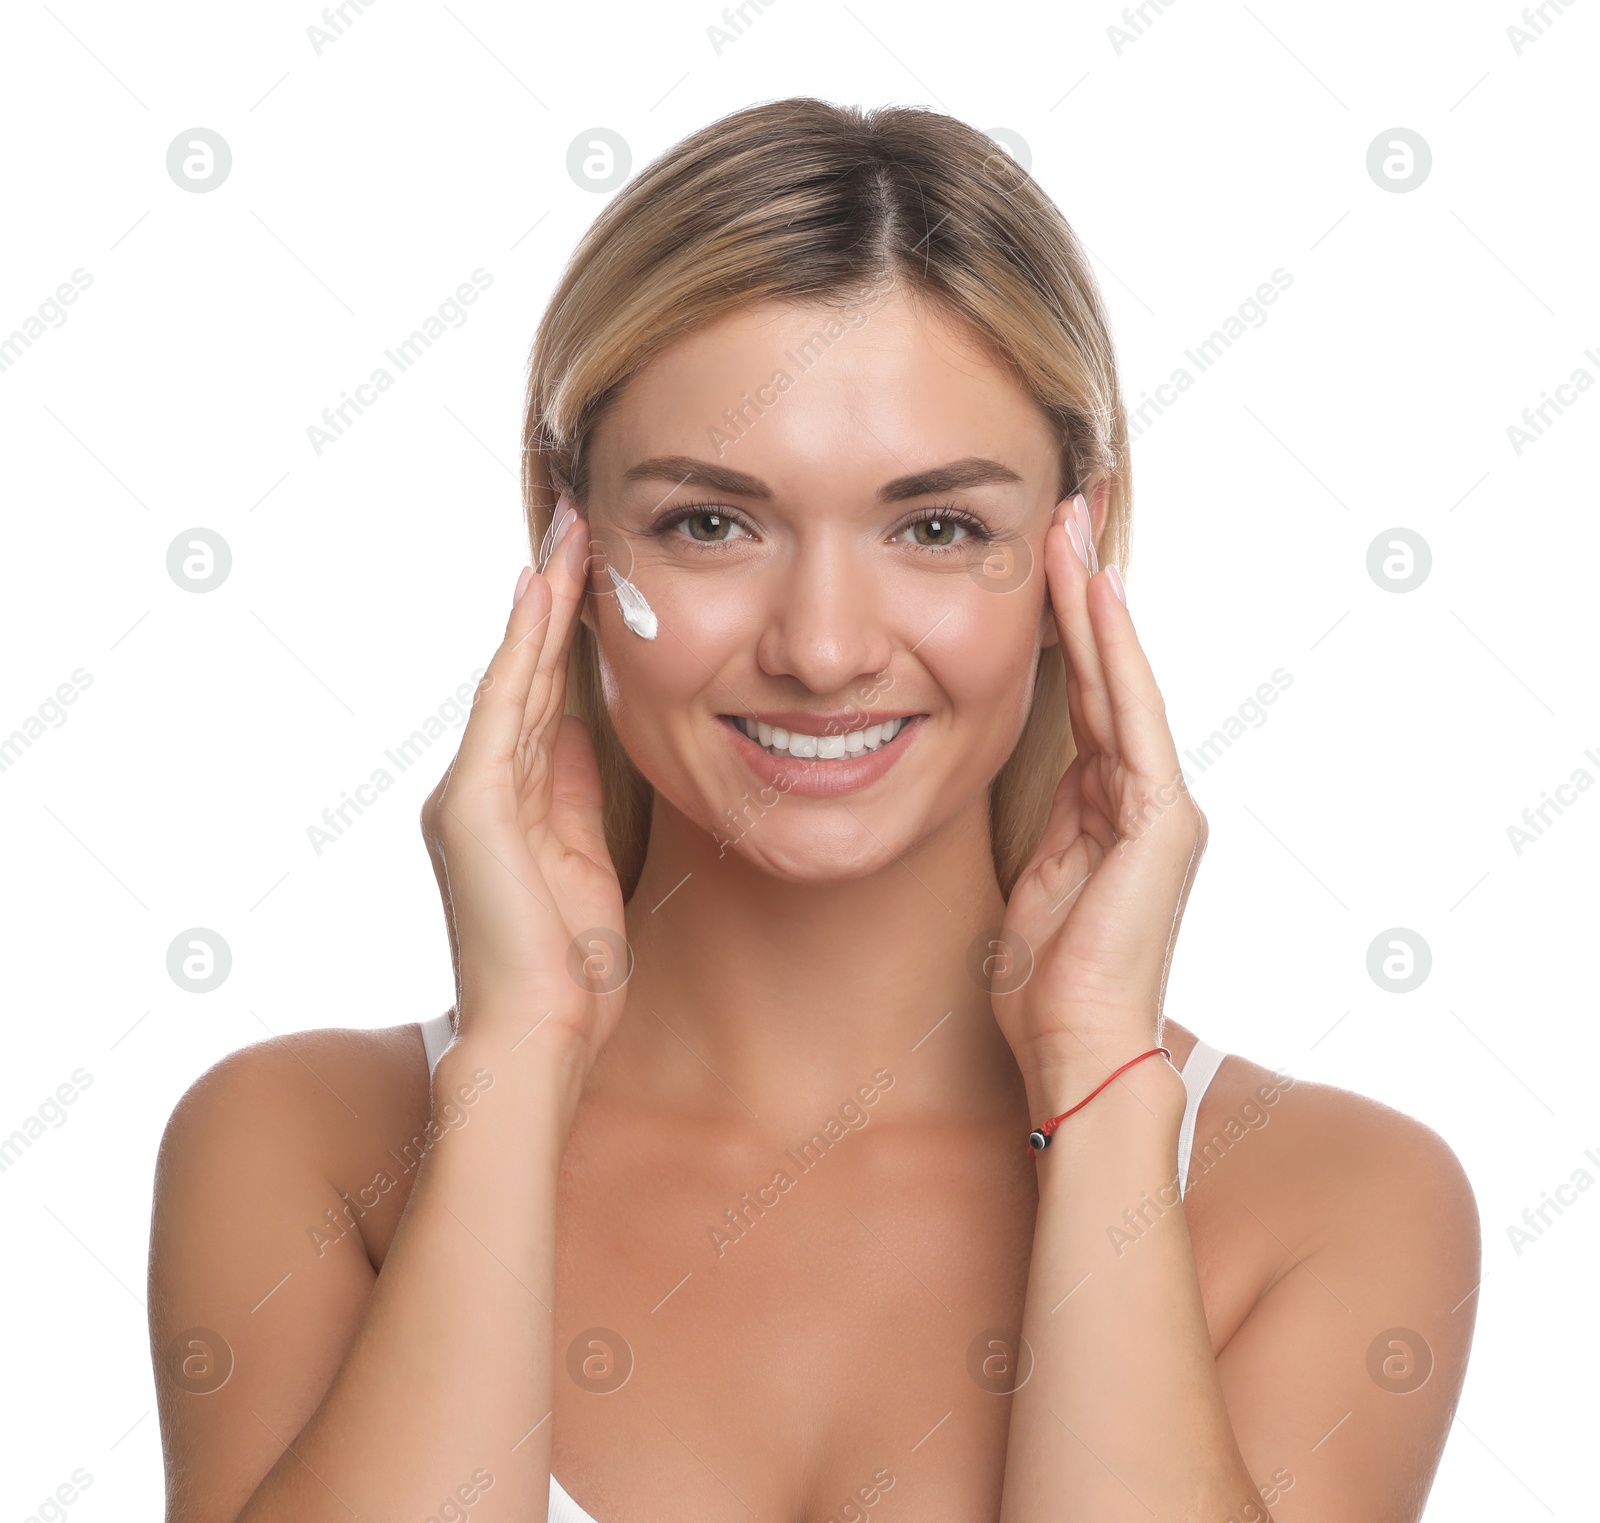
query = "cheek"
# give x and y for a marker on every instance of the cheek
(701, 628)
(717, 614)
(984, 663)
(984, 658)
(665, 687)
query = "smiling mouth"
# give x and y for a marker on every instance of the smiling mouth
(794, 745)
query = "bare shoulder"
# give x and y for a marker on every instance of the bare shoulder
(1287, 1173)
(325, 1104)
(308, 1082)
(1342, 1156)
(1347, 1150)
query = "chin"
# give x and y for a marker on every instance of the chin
(809, 859)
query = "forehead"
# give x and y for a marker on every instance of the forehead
(879, 390)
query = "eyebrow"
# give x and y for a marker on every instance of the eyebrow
(686, 470)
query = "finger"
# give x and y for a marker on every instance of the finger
(567, 573)
(1056, 596)
(1076, 821)
(495, 724)
(552, 530)
(431, 838)
(1069, 581)
(1045, 896)
(575, 797)
(1143, 738)
(1065, 825)
(1079, 807)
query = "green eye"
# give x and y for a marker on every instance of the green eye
(708, 527)
(936, 531)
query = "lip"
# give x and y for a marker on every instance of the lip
(813, 777)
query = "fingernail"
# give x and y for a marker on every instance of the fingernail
(1075, 537)
(1115, 578)
(1086, 527)
(576, 554)
(522, 585)
(558, 532)
(557, 518)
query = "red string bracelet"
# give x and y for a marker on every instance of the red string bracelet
(1039, 1137)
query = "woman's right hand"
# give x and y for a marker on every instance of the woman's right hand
(531, 896)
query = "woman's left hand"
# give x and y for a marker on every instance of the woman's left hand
(1096, 910)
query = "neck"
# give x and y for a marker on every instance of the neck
(756, 995)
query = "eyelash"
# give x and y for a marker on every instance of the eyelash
(975, 527)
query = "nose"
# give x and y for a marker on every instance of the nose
(827, 622)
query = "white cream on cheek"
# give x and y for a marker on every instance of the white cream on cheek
(637, 613)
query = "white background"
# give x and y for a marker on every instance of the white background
(368, 583)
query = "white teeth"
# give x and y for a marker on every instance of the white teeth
(781, 742)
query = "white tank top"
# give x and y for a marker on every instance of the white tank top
(1198, 1071)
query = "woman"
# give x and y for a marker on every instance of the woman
(816, 837)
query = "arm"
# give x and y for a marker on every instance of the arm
(1124, 1414)
(391, 1395)
(350, 1391)
(1333, 1398)
(1343, 1380)
(1129, 1413)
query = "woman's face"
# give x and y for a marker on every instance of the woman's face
(838, 519)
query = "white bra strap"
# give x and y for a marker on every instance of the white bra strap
(1198, 1071)
(437, 1034)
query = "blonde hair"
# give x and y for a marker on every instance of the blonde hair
(802, 201)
